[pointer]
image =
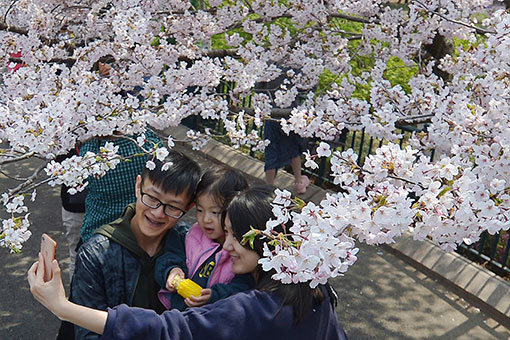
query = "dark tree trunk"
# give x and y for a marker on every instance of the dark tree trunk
(439, 48)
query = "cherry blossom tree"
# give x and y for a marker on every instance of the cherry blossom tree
(169, 57)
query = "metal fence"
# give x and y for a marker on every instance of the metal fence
(492, 251)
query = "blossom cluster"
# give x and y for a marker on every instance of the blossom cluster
(74, 170)
(14, 230)
(314, 248)
(396, 190)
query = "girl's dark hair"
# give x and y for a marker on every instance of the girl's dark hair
(252, 208)
(222, 183)
(182, 176)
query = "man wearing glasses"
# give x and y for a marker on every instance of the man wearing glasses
(117, 264)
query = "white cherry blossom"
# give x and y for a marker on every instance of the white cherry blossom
(169, 59)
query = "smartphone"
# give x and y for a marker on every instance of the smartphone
(48, 251)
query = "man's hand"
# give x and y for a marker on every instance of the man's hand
(175, 272)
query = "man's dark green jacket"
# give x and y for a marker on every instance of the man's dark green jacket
(112, 269)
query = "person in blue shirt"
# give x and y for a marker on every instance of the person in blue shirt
(271, 310)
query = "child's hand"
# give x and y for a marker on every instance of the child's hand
(171, 276)
(197, 301)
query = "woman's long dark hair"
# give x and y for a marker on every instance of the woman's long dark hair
(252, 208)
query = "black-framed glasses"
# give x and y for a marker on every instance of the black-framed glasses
(154, 203)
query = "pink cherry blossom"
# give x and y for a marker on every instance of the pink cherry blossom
(168, 59)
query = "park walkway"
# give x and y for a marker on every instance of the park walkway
(382, 296)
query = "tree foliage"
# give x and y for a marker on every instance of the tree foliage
(358, 64)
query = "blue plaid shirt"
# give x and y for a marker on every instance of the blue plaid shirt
(110, 194)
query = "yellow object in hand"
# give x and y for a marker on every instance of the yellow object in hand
(186, 287)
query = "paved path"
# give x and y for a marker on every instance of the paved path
(381, 297)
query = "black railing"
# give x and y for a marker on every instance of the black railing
(491, 251)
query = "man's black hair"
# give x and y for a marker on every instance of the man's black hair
(181, 177)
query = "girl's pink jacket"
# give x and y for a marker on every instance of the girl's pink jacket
(199, 248)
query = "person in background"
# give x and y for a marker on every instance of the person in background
(73, 210)
(110, 194)
(283, 150)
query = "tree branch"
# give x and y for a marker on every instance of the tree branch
(362, 170)
(478, 30)
(352, 18)
(29, 182)
(9, 9)
(70, 61)
(285, 113)
(17, 159)
(275, 112)
(14, 29)
(221, 53)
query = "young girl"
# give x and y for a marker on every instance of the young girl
(270, 311)
(206, 262)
